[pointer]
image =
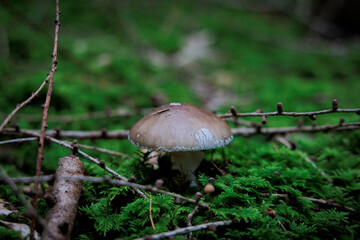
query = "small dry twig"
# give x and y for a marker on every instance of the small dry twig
(320, 201)
(21, 105)
(40, 155)
(19, 140)
(242, 131)
(74, 149)
(190, 216)
(334, 109)
(113, 181)
(290, 145)
(187, 230)
(30, 210)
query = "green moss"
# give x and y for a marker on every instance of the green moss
(104, 62)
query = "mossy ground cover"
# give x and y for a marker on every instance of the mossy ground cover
(104, 63)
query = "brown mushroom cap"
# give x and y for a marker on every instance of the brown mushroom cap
(180, 127)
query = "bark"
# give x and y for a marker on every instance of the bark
(64, 195)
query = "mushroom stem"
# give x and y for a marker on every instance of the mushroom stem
(187, 162)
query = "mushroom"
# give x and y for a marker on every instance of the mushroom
(184, 131)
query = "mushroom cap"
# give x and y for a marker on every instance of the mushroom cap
(180, 127)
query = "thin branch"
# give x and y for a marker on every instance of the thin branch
(189, 219)
(103, 150)
(290, 114)
(111, 181)
(242, 131)
(320, 201)
(106, 114)
(187, 230)
(19, 140)
(94, 148)
(74, 149)
(290, 145)
(150, 215)
(30, 210)
(109, 113)
(40, 155)
(21, 105)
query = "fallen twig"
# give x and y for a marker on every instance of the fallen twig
(94, 148)
(292, 145)
(187, 230)
(112, 181)
(19, 140)
(30, 210)
(189, 219)
(106, 114)
(242, 131)
(280, 112)
(320, 201)
(21, 105)
(40, 155)
(65, 195)
(74, 149)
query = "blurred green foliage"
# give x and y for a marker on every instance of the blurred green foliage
(108, 58)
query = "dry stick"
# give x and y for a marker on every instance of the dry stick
(106, 114)
(30, 210)
(103, 150)
(150, 216)
(309, 160)
(284, 130)
(242, 131)
(94, 148)
(46, 105)
(81, 153)
(291, 114)
(64, 195)
(112, 181)
(92, 159)
(286, 143)
(190, 216)
(21, 105)
(128, 113)
(186, 230)
(320, 201)
(19, 140)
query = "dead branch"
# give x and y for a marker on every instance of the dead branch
(245, 131)
(187, 230)
(19, 140)
(94, 148)
(46, 105)
(74, 149)
(189, 219)
(103, 150)
(288, 144)
(280, 112)
(65, 195)
(232, 113)
(320, 201)
(21, 105)
(40, 155)
(242, 131)
(30, 210)
(106, 114)
(111, 181)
